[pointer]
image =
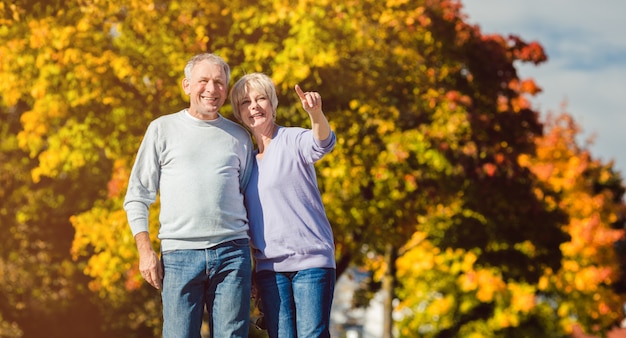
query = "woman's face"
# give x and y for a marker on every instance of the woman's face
(256, 110)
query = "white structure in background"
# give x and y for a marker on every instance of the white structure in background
(349, 322)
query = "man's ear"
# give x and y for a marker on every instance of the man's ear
(185, 84)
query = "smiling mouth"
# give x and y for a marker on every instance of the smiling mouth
(210, 99)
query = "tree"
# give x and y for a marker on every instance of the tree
(450, 293)
(591, 193)
(446, 141)
(40, 281)
(56, 161)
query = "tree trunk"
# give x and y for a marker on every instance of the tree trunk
(388, 287)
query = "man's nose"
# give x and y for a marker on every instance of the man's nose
(210, 86)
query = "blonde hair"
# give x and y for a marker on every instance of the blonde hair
(253, 81)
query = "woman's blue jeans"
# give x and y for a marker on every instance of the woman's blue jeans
(297, 304)
(218, 278)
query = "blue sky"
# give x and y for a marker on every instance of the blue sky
(586, 69)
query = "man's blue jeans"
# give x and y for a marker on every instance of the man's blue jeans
(218, 278)
(297, 304)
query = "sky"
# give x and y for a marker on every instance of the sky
(586, 69)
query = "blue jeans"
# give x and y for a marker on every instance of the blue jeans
(217, 278)
(297, 304)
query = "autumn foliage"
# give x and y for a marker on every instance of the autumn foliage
(479, 216)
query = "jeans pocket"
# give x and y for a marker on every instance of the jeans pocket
(241, 242)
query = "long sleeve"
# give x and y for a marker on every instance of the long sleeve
(143, 184)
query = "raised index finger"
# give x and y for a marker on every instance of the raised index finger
(300, 93)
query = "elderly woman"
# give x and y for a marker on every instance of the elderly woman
(292, 240)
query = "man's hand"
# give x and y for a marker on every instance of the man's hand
(149, 264)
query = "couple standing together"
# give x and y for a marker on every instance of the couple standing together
(217, 192)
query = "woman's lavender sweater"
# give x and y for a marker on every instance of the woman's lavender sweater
(288, 224)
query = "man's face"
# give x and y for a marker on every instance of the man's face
(207, 89)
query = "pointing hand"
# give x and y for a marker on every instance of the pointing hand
(311, 101)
